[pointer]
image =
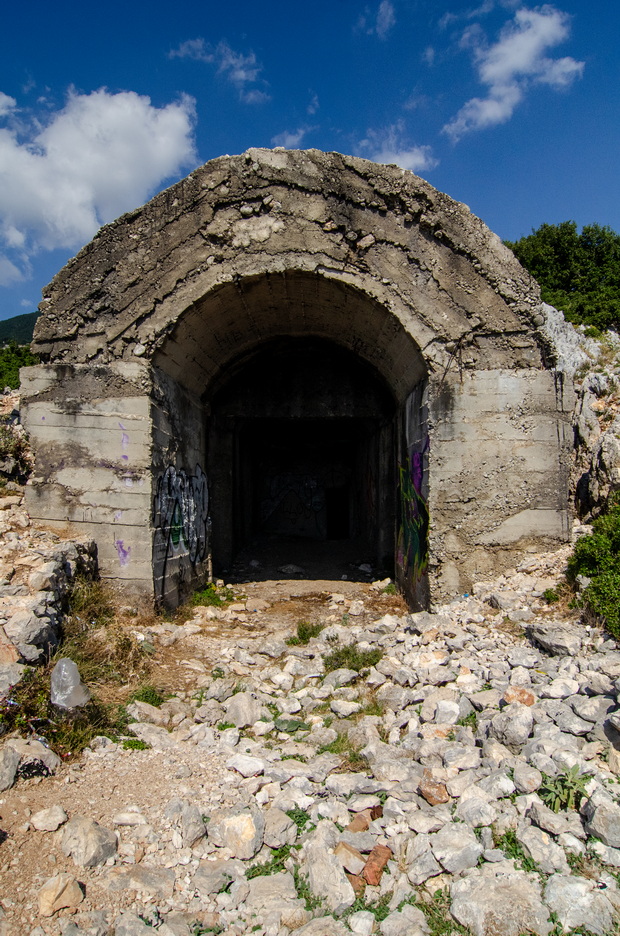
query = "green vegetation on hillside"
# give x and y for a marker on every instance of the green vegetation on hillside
(578, 273)
(18, 329)
(12, 357)
(597, 557)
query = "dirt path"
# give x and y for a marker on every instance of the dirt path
(100, 786)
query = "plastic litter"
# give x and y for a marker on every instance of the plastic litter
(67, 689)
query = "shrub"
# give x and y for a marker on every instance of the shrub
(12, 357)
(597, 556)
(14, 451)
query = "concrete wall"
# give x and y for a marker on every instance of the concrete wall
(412, 547)
(90, 428)
(499, 450)
(180, 515)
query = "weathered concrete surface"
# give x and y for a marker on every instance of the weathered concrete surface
(91, 430)
(150, 320)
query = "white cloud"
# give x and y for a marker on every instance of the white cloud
(389, 146)
(386, 19)
(512, 64)
(99, 156)
(291, 139)
(487, 6)
(7, 104)
(241, 70)
(313, 106)
(9, 273)
(378, 24)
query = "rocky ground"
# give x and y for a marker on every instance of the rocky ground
(390, 775)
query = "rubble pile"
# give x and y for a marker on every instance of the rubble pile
(302, 798)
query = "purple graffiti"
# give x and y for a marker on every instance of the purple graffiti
(123, 552)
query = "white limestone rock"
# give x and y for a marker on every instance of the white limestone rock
(602, 818)
(87, 842)
(502, 901)
(579, 902)
(58, 893)
(326, 876)
(50, 819)
(240, 830)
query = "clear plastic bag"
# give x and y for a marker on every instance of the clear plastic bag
(67, 689)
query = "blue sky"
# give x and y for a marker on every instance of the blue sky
(510, 107)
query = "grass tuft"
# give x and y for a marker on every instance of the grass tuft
(148, 694)
(512, 848)
(351, 759)
(351, 657)
(305, 632)
(273, 866)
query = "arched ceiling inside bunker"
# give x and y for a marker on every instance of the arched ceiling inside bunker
(236, 318)
(178, 261)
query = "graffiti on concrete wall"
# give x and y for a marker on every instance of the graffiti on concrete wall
(181, 522)
(412, 549)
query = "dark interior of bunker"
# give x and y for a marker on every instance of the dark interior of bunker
(301, 461)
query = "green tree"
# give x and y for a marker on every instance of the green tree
(12, 357)
(578, 273)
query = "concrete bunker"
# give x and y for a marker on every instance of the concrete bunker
(298, 344)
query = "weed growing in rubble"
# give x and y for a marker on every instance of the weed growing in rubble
(148, 694)
(469, 721)
(213, 596)
(351, 657)
(134, 744)
(564, 791)
(372, 707)
(93, 638)
(303, 891)
(380, 908)
(299, 816)
(351, 758)
(512, 848)
(438, 917)
(305, 632)
(273, 866)
(104, 654)
(29, 711)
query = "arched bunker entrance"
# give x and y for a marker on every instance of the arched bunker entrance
(297, 344)
(301, 417)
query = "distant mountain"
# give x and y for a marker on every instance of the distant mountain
(19, 328)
